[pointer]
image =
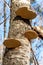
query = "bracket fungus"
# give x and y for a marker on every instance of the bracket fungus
(12, 43)
(26, 13)
(24, 10)
(30, 34)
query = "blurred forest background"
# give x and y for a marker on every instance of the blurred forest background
(38, 21)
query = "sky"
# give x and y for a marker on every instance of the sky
(38, 6)
(2, 19)
(37, 20)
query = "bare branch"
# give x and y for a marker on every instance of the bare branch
(34, 57)
(6, 4)
(39, 32)
(4, 20)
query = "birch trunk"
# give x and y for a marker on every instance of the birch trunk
(20, 55)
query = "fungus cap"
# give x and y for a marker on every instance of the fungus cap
(23, 9)
(26, 13)
(30, 34)
(11, 43)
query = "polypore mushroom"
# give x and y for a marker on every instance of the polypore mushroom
(30, 34)
(24, 10)
(26, 13)
(11, 43)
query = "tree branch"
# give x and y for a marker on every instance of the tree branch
(6, 4)
(4, 20)
(39, 31)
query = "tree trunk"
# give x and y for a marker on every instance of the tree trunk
(20, 55)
